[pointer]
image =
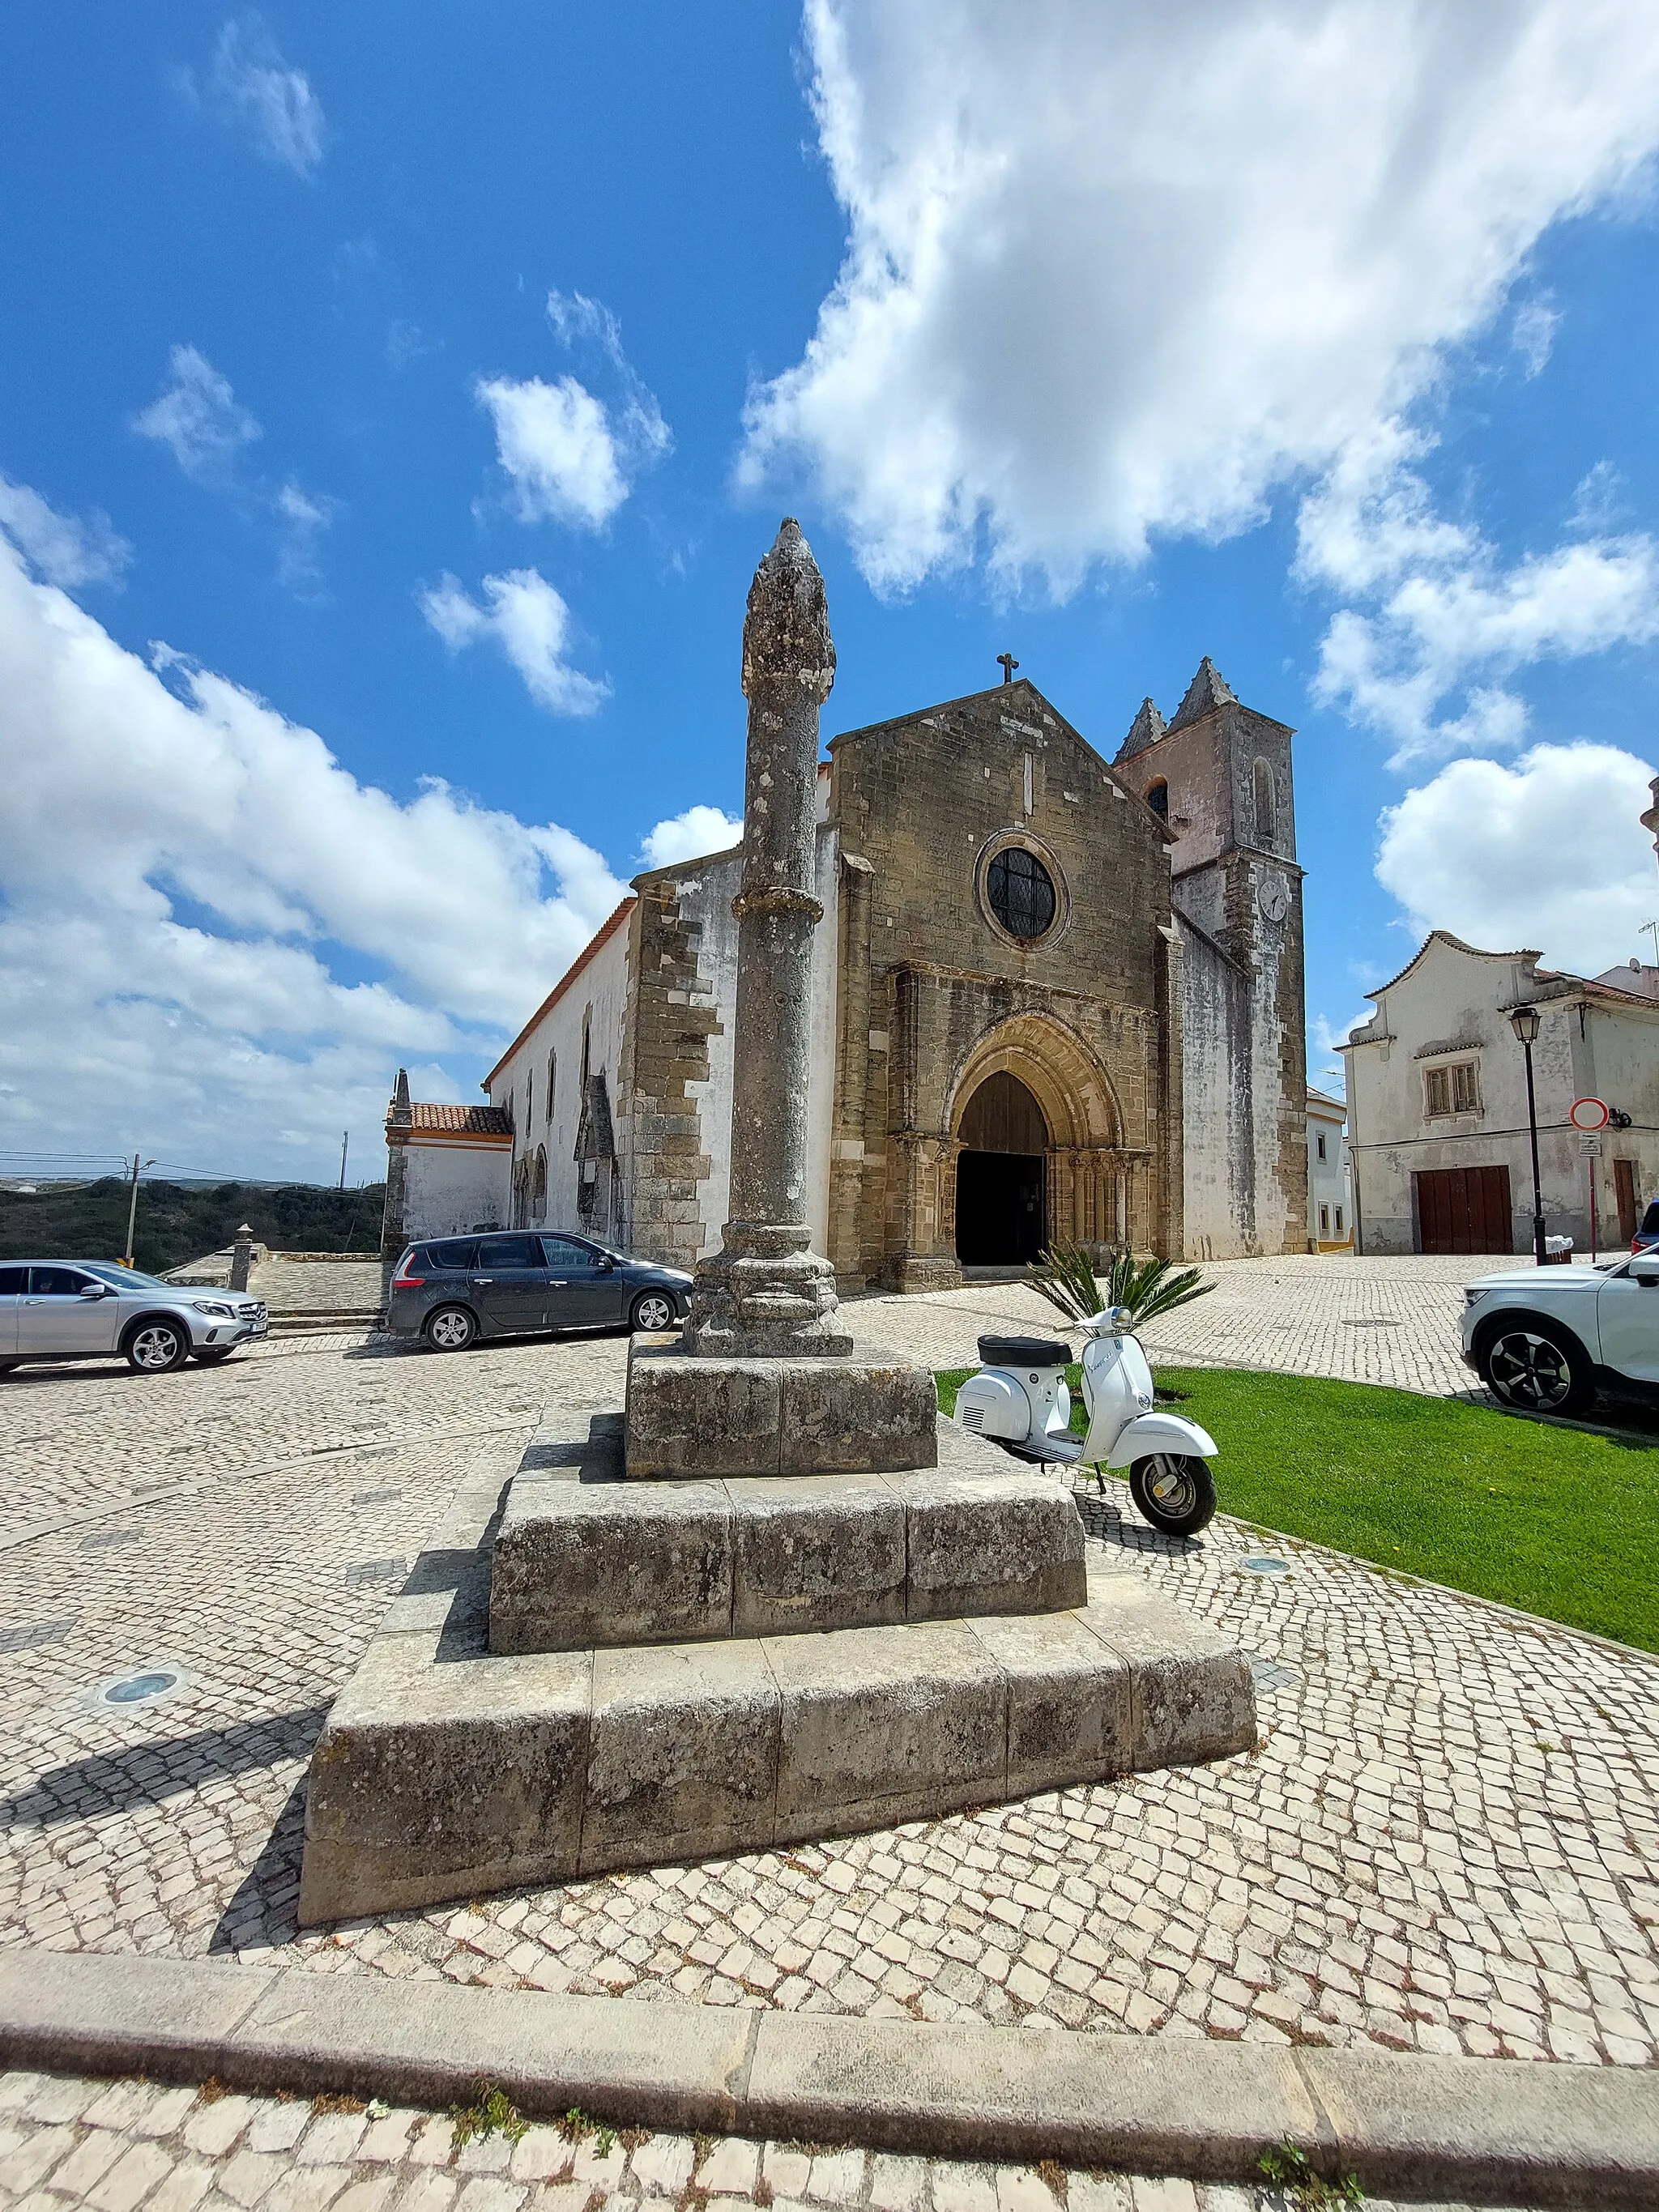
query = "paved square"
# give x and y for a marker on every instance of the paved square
(1445, 1843)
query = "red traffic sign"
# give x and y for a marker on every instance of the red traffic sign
(1589, 1114)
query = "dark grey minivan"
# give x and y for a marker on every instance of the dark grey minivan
(450, 1289)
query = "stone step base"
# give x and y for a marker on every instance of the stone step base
(719, 1416)
(586, 1559)
(444, 1772)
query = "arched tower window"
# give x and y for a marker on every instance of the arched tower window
(552, 1080)
(1157, 797)
(1266, 804)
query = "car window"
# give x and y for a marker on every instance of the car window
(1650, 1221)
(453, 1252)
(508, 1252)
(13, 1282)
(566, 1252)
(127, 1278)
(56, 1282)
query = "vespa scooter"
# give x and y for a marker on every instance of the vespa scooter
(1018, 1400)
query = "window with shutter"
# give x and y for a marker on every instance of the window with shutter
(1439, 1090)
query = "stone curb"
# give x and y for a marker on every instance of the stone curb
(1483, 2130)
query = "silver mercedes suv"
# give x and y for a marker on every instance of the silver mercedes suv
(93, 1309)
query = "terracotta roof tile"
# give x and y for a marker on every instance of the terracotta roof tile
(468, 1121)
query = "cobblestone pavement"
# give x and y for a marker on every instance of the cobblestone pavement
(1444, 1843)
(1359, 1321)
(122, 2145)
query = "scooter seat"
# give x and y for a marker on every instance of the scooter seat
(1023, 1352)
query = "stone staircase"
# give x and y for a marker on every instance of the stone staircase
(591, 1670)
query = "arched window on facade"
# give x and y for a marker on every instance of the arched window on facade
(588, 1026)
(538, 1186)
(552, 1080)
(1157, 797)
(1266, 804)
(529, 1096)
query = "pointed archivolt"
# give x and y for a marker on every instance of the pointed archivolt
(1208, 690)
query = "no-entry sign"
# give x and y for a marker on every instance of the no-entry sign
(1589, 1114)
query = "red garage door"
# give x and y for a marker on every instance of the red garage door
(1464, 1210)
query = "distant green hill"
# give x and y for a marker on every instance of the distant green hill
(177, 1223)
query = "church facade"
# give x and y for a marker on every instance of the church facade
(1053, 995)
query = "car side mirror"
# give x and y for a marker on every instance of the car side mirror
(96, 1291)
(607, 1263)
(1645, 1271)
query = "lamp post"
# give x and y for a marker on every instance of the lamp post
(1523, 1020)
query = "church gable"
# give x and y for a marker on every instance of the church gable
(1003, 845)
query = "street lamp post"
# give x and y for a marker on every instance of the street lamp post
(1523, 1020)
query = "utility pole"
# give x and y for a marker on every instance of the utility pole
(345, 1141)
(132, 1207)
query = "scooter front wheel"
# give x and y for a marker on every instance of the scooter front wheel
(1175, 1491)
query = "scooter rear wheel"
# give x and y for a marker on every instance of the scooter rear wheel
(1175, 1491)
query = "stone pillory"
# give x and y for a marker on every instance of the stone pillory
(766, 1292)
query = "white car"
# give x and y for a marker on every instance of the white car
(1546, 1340)
(54, 1310)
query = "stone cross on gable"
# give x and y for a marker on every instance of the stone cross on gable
(1008, 666)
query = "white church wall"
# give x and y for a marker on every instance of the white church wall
(450, 1186)
(594, 990)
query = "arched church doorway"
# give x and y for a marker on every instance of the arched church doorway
(1001, 1198)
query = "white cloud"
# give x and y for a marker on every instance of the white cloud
(689, 835)
(554, 440)
(1533, 333)
(250, 83)
(303, 516)
(183, 871)
(571, 455)
(64, 549)
(529, 622)
(1447, 618)
(1117, 271)
(1548, 851)
(208, 430)
(200, 419)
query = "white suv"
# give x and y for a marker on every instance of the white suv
(1545, 1340)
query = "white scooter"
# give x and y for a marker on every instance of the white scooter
(1018, 1400)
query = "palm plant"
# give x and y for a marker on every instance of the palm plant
(1064, 1276)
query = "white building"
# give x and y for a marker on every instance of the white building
(1438, 1128)
(1330, 1203)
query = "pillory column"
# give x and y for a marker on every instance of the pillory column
(766, 1292)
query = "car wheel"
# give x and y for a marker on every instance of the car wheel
(1175, 1491)
(211, 1354)
(157, 1348)
(652, 1309)
(1535, 1369)
(452, 1328)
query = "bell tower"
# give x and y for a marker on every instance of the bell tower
(1220, 774)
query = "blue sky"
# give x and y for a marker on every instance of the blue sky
(394, 404)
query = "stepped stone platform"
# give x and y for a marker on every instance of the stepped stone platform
(586, 1671)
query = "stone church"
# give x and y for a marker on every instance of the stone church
(1052, 996)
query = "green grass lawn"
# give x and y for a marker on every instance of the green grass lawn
(1556, 1521)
